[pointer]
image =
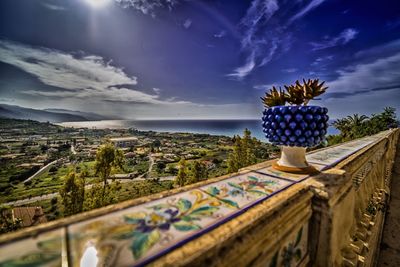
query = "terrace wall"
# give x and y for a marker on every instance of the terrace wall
(256, 217)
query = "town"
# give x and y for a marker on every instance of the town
(36, 157)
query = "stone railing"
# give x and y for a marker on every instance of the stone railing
(256, 217)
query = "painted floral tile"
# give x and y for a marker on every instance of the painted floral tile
(243, 190)
(136, 235)
(293, 251)
(45, 250)
(330, 156)
(280, 174)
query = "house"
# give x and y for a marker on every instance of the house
(124, 141)
(29, 215)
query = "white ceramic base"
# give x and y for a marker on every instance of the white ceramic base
(293, 157)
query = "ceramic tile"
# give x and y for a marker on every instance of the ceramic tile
(293, 251)
(243, 190)
(276, 173)
(138, 234)
(44, 250)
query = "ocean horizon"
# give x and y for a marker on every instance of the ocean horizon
(229, 127)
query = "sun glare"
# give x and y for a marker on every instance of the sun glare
(97, 3)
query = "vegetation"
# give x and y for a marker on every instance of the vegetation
(107, 157)
(7, 224)
(357, 126)
(72, 193)
(296, 94)
(244, 152)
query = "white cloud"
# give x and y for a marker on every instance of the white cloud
(241, 72)
(187, 24)
(312, 5)
(380, 73)
(290, 70)
(147, 7)
(64, 70)
(88, 77)
(53, 7)
(343, 38)
(220, 34)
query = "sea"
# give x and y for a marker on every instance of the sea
(213, 127)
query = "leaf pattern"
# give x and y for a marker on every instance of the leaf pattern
(143, 242)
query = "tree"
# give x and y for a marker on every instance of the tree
(7, 224)
(181, 178)
(94, 197)
(73, 193)
(243, 152)
(107, 158)
(198, 172)
(357, 126)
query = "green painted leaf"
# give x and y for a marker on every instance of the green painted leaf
(252, 178)
(298, 238)
(297, 254)
(235, 186)
(212, 190)
(184, 226)
(143, 242)
(134, 218)
(274, 260)
(184, 205)
(203, 211)
(159, 206)
(257, 192)
(32, 260)
(230, 202)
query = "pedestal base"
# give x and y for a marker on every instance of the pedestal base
(304, 170)
(293, 160)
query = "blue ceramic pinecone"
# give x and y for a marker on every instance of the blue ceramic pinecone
(303, 126)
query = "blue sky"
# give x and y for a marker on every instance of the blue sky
(141, 59)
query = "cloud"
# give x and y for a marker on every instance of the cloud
(312, 5)
(187, 23)
(147, 7)
(220, 34)
(321, 60)
(86, 77)
(343, 38)
(265, 86)
(53, 7)
(290, 70)
(379, 75)
(265, 32)
(241, 72)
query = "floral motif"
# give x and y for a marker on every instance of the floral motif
(48, 254)
(253, 185)
(149, 227)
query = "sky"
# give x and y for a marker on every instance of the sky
(182, 59)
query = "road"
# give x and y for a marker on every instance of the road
(150, 166)
(43, 169)
(49, 196)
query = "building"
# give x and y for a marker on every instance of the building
(29, 215)
(124, 141)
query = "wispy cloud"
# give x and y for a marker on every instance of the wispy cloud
(290, 70)
(147, 7)
(87, 77)
(343, 38)
(220, 34)
(266, 32)
(53, 7)
(381, 74)
(187, 23)
(312, 5)
(322, 60)
(258, 14)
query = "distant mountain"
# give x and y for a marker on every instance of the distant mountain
(88, 115)
(56, 115)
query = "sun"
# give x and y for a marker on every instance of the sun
(97, 3)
